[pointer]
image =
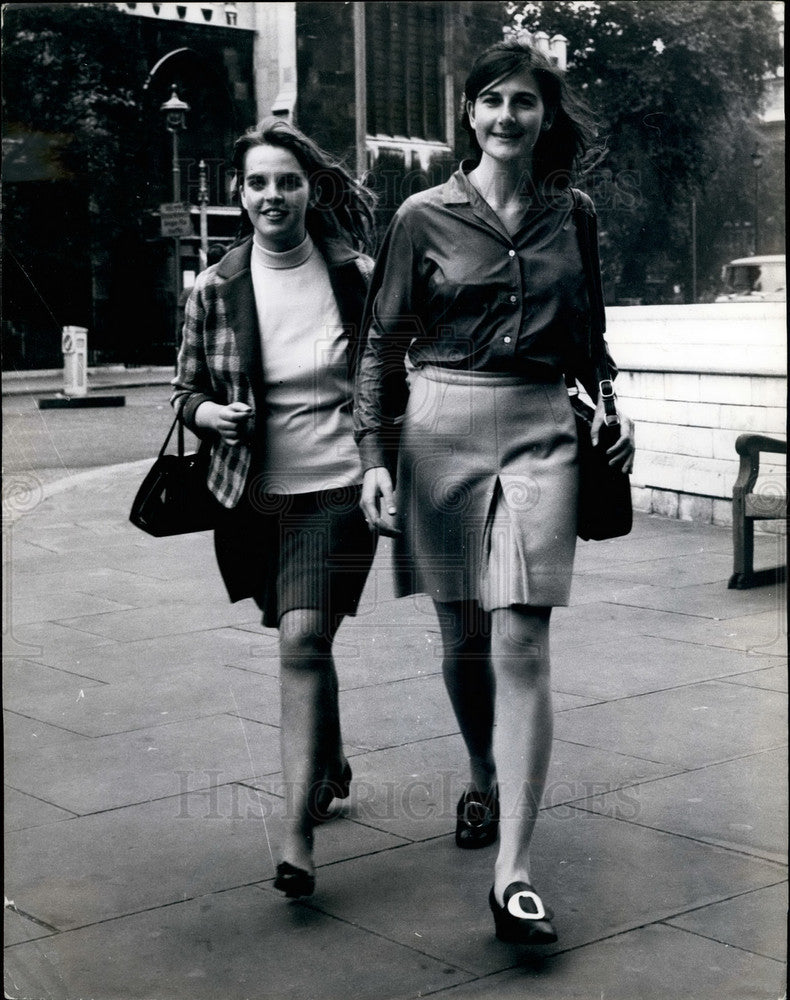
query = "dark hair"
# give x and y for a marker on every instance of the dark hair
(560, 148)
(340, 206)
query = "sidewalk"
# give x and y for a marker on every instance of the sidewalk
(143, 792)
(105, 377)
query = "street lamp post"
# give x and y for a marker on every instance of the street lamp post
(175, 111)
(757, 162)
(203, 200)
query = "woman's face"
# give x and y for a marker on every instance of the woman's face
(275, 192)
(507, 118)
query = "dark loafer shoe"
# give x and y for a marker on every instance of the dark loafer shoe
(523, 919)
(477, 819)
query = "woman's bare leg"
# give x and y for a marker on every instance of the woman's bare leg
(523, 734)
(310, 735)
(470, 684)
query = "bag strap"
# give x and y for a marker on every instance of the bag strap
(587, 235)
(180, 437)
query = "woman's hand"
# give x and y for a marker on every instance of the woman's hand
(230, 422)
(621, 453)
(378, 502)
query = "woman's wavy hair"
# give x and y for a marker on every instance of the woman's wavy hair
(560, 148)
(340, 206)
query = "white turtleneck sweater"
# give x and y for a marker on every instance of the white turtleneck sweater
(308, 429)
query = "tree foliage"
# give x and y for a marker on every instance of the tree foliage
(676, 85)
(72, 139)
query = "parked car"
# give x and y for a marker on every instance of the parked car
(754, 279)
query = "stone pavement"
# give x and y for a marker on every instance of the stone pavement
(143, 793)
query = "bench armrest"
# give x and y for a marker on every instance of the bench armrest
(749, 447)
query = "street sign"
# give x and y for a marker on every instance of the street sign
(174, 219)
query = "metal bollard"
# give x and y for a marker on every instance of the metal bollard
(75, 361)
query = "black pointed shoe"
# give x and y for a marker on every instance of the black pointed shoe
(523, 919)
(477, 819)
(293, 881)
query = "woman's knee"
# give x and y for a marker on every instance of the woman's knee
(520, 641)
(305, 640)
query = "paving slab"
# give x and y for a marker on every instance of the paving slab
(151, 855)
(24, 811)
(754, 921)
(59, 605)
(202, 690)
(643, 665)
(17, 927)
(673, 571)
(147, 659)
(27, 683)
(740, 804)
(688, 726)
(652, 963)
(175, 617)
(772, 678)
(50, 643)
(369, 654)
(119, 587)
(246, 944)
(24, 734)
(114, 771)
(433, 890)
(764, 632)
(708, 600)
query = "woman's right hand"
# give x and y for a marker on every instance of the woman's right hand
(378, 502)
(230, 421)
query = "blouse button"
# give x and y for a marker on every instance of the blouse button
(507, 340)
(513, 298)
(511, 253)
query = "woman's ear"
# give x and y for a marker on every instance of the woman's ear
(470, 112)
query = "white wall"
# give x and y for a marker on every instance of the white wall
(694, 378)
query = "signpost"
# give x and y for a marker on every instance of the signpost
(174, 220)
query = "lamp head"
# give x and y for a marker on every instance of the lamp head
(175, 112)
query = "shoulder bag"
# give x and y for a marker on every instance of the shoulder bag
(604, 509)
(174, 498)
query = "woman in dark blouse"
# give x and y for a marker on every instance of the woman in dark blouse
(477, 309)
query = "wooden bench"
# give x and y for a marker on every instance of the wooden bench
(749, 506)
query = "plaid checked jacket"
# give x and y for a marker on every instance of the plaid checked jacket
(220, 356)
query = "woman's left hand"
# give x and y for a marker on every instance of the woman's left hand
(622, 451)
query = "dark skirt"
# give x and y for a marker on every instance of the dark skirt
(289, 551)
(487, 488)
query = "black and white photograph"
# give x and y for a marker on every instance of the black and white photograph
(394, 500)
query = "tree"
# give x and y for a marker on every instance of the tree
(677, 87)
(72, 136)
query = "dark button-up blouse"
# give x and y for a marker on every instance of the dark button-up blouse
(455, 290)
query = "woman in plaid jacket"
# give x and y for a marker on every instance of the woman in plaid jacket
(265, 371)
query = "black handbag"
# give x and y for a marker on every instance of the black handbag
(174, 498)
(604, 508)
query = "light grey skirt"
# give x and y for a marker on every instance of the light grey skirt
(487, 487)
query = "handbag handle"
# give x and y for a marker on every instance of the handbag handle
(180, 437)
(588, 247)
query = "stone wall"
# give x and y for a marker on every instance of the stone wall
(693, 378)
